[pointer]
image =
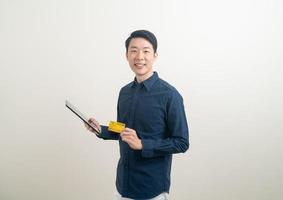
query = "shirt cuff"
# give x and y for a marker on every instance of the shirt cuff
(147, 148)
(105, 134)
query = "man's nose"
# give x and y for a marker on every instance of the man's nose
(140, 55)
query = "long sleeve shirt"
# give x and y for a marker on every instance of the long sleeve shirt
(155, 110)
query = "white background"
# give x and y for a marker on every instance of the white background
(225, 58)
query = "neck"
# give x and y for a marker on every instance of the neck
(143, 77)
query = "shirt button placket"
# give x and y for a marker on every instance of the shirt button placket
(131, 125)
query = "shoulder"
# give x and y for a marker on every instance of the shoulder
(169, 89)
(126, 87)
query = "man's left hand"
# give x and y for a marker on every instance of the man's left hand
(130, 136)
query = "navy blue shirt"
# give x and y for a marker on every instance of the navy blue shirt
(155, 110)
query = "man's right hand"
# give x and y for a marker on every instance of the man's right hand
(95, 124)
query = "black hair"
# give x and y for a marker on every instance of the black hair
(150, 37)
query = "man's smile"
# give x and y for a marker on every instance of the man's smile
(139, 65)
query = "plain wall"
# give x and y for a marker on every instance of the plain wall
(225, 58)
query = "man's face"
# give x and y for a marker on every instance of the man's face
(141, 57)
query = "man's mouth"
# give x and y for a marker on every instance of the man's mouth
(139, 65)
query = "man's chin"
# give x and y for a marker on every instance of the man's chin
(139, 71)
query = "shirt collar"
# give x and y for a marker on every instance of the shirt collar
(148, 83)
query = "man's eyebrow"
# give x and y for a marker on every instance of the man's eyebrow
(134, 47)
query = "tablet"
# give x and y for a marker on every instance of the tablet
(80, 115)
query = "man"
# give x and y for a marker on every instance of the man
(156, 125)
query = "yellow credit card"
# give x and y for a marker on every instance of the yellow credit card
(116, 127)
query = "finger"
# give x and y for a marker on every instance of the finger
(126, 135)
(95, 124)
(92, 120)
(87, 127)
(127, 140)
(128, 129)
(130, 138)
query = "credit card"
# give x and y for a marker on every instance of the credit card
(116, 127)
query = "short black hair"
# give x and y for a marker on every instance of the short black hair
(150, 37)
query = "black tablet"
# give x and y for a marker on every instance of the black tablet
(80, 115)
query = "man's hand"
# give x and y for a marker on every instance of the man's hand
(130, 136)
(95, 124)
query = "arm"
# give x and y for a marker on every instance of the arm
(177, 139)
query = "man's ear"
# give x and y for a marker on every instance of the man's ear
(155, 55)
(126, 54)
